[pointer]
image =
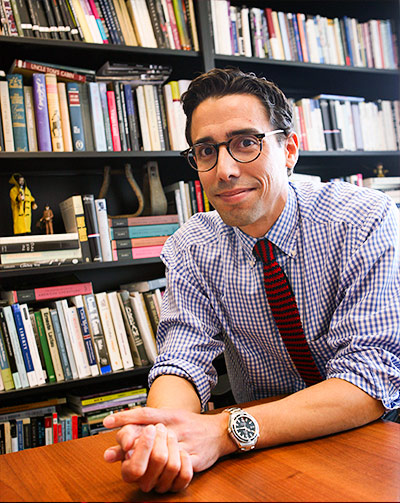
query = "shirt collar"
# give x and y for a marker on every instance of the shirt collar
(282, 234)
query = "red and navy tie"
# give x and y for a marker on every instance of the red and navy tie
(284, 309)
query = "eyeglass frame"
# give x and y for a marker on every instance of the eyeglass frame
(259, 136)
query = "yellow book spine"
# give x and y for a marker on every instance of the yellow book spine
(113, 396)
(82, 21)
(65, 122)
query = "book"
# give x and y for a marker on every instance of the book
(120, 331)
(19, 359)
(73, 216)
(144, 325)
(33, 348)
(30, 119)
(75, 113)
(112, 109)
(86, 117)
(109, 332)
(59, 335)
(96, 110)
(118, 244)
(18, 115)
(47, 293)
(23, 341)
(5, 370)
(92, 227)
(58, 306)
(40, 256)
(63, 73)
(45, 346)
(137, 231)
(102, 220)
(106, 115)
(9, 350)
(75, 334)
(52, 343)
(41, 112)
(77, 300)
(64, 117)
(137, 252)
(6, 117)
(96, 332)
(141, 220)
(145, 286)
(26, 243)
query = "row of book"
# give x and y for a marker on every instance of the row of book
(55, 116)
(148, 23)
(332, 122)
(60, 419)
(267, 33)
(186, 199)
(68, 332)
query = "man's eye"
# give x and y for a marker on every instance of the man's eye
(247, 141)
(204, 151)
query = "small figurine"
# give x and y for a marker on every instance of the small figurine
(46, 220)
(22, 204)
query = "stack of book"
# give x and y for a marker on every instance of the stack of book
(95, 407)
(186, 198)
(68, 332)
(63, 109)
(31, 251)
(149, 23)
(390, 185)
(332, 122)
(267, 33)
(39, 423)
(140, 237)
(53, 108)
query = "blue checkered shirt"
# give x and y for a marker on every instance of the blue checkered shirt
(339, 246)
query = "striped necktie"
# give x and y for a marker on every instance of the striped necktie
(284, 309)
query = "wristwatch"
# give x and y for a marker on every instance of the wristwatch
(243, 428)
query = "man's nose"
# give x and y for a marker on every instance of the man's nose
(226, 166)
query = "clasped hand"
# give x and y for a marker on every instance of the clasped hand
(161, 448)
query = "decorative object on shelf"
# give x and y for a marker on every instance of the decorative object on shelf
(108, 171)
(155, 201)
(379, 171)
(46, 220)
(22, 204)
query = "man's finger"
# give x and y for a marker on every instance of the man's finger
(139, 415)
(127, 435)
(185, 473)
(172, 467)
(135, 464)
(157, 461)
(114, 453)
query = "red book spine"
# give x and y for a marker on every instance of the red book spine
(55, 428)
(35, 67)
(270, 24)
(62, 291)
(172, 22)
(199, 195)
(112, 110)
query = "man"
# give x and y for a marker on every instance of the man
(22, 204)
(337, 244)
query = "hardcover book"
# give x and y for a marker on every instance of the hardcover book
(92, 227)
(73, 216)
(41, 112)
(75, 112)
(18, 115)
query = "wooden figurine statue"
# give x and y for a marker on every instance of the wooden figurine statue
(22, 204)
(46, 220)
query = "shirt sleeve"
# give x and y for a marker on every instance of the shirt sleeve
(188, 333)
(365, 328)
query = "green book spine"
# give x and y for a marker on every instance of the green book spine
(18, 116)
(45, 347)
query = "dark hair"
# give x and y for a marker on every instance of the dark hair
(222, 82)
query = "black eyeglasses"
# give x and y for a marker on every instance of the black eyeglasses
(242, 148)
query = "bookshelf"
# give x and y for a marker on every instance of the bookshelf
(52, 177)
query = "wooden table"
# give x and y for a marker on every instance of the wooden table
(358, 465)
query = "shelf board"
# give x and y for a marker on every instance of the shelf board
(349, 154)
(87, 46)
(143, 154)
(302, 65)
(29, 271)
(61, 388)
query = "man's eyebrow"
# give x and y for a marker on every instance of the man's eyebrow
(229, 134)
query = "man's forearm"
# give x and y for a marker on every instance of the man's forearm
(328, 407)
(169, 391)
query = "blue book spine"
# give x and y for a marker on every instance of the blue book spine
(26, 354)
(106, 116)
(297, 37)
(132, 117)
(86, 336)
(19, 361)
(348, 36)
(75, 115)
(143, 231)
(41, 112)
(61, 345)
(18, 116)
(97, 118)
(20, 434)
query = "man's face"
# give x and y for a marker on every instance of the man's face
(250, 196)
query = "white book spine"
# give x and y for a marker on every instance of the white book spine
(37, 364)
(120, 331)
(144, 328)
(244, 13)
(144, 19)
(67, 339)
(6, 117)
(109, 332)
(102, 219)
(2, 388)
(151, 117)
(144, 127)
(97, 117)
(169, 106)
(30, 119)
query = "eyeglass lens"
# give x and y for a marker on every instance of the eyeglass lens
(243, 148)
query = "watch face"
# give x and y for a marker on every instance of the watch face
(244, 428)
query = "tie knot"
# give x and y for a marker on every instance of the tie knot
(264, 250)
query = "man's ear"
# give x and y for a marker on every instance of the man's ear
(292, 150)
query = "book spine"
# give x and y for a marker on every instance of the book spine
(54, 113)
(86, 335)
(144, 325)
(99, 133)
(58, 305)
(133, 127)
(75, 332)
(45, 347)
(78, 137)
(143, 220)
(26, 23)
(30, 370)
(61, 345)
(106, 116)
(9, 350)
(10, 18)
(109, 333)
(86, 117)
(143, 231)
(6, 117)
(120, 332)
(33, 348)
(120, 117)
(97, 333)
(144, 127)
(92, 227)
(125, 117)
(19, 359)
(30, 119)
(18, 116)
(130, 254)
(64, 113)
(101, 214)
(41, 112)
(112, 108)
(5, 370)
(51, 339)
